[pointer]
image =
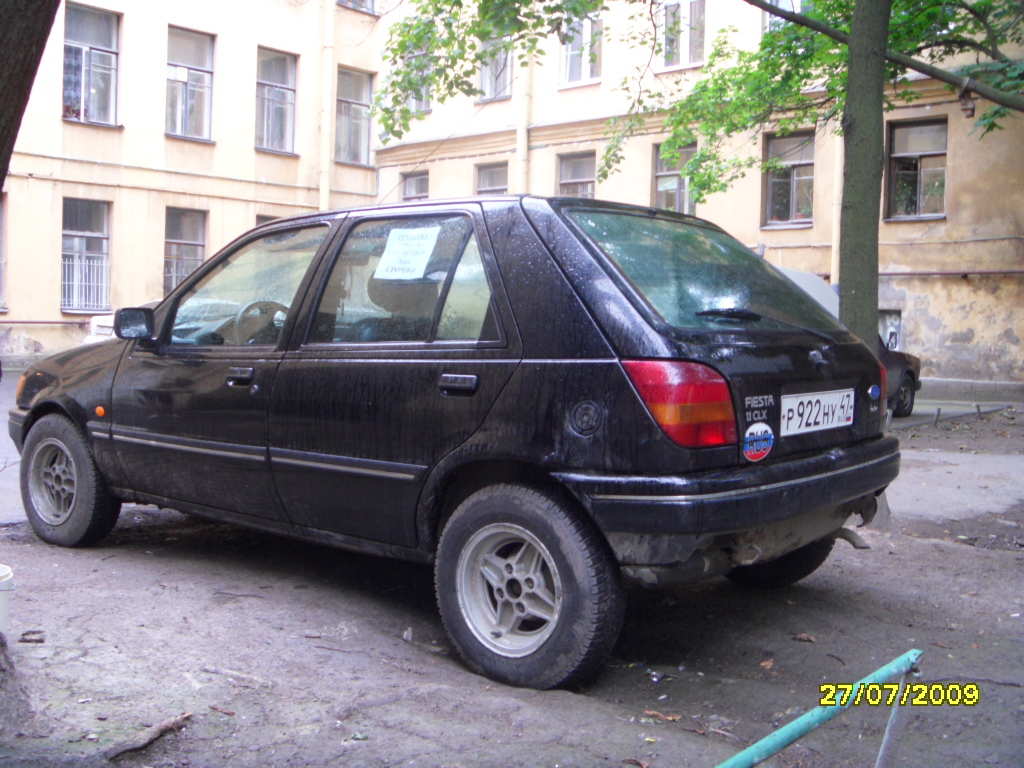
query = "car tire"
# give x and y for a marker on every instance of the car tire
(904, 398)
(528, 590)
(787, 569)
(65, 499)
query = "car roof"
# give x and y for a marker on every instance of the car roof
(477, 199)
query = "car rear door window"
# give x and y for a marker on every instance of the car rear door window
(245, 299)
(407, 280)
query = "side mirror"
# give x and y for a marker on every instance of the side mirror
(134, 323)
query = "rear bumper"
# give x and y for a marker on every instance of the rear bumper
(737, 499)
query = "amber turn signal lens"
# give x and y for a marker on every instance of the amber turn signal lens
(690, 401)
(101, 411)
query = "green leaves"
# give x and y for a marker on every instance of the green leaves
(795, 79)
(439, 49)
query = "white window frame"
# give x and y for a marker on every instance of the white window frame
(592, 181)
(85, 51)
(496, 73)
(682, 34)
(264, 100)
(684, 200)
(182, 129)
(174, 266)
(415, 175)
(482, 190)
(589, 53)
(364, 159)
(796, 175)
(419, 103)
(366, 6)
(773, 22)
(85, 286)
(890, 163)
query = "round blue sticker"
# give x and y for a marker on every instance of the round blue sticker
(758, 441)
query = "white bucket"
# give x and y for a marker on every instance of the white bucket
(6, 590)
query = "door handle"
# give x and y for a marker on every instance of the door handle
(239, 377)
(457, 383)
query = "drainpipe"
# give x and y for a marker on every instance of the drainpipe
(521, 181)
(327, 78)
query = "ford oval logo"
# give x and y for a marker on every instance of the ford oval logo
(874, 391)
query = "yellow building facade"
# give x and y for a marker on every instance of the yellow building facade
(952, 219)
(158, 132)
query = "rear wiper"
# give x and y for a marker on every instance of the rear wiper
(732, 313)
(738, 313)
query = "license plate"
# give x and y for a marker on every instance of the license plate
(815, 411)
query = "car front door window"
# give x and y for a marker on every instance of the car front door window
(245, 299)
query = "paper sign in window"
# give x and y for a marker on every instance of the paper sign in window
(406, 254)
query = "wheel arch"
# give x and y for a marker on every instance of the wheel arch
(68, 409)
(445, 492)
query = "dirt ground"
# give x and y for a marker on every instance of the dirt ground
(289, 654)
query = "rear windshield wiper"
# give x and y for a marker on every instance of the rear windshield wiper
(731, 313)
(739, 313)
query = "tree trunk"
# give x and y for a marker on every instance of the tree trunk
(24, 28)
(862, 169)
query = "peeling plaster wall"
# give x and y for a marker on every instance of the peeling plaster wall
(961, 328)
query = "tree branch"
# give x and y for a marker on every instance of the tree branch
(960, 82)
(963, 42)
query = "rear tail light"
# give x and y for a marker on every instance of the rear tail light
(691, 402)
(884, 382)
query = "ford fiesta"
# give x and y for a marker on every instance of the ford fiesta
(538, 396)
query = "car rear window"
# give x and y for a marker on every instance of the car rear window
(682, 268)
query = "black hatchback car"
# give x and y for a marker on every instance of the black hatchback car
(538, 396)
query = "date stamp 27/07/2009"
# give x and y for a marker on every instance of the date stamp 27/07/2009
(888, 694)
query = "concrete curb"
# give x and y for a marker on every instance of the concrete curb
(967, 390)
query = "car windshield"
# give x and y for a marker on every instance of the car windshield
(696, 277)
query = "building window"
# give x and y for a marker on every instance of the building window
(583, 51)
(359, 5)
(90, 65)
(189, 83)
(184, 245)
(415, 186)
(85, 260)
(495, 72)
(684, 33)
(577, 174)
(917, 169)
(492, 179)
(275, 100)
(672, 189)
(352, 134)
(790, 187)
(773, 22)
(419, 102)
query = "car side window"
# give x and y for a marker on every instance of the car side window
(391, 278)
(466, 313)
(246, 298)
